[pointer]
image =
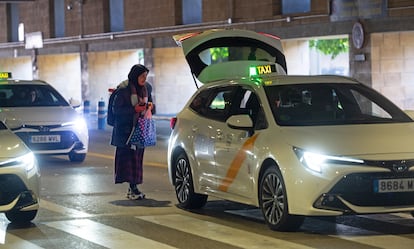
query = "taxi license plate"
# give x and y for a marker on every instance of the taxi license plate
(45, 139)
(394, 185)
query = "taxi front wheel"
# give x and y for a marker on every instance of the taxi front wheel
(273, 202)
(16, 216)
(184, 188)
(75, 157)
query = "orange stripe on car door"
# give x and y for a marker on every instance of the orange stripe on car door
(236, 163)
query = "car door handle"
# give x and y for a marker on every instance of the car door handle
(194, 129)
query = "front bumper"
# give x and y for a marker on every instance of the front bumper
(355, 193)
(69, 141)
(14, 195)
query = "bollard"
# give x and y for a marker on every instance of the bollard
(86, 107)
(101, 115)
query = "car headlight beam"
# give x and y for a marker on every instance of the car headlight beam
(316, 161)
(79, 124)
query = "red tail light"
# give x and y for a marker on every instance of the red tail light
(173, 121)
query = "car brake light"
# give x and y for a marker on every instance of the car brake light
(173, 121)
(269, 35)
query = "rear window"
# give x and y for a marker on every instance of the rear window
(25, 95)
(225, 54)
(230, 49)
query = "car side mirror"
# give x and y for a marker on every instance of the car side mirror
(242, 121)
(74, 103)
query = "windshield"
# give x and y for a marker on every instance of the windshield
(331, 104)
(24, 95)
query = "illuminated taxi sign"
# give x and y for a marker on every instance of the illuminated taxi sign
(5, 75)
(262, 69)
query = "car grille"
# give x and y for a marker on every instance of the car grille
(10, 187)
(358, 189)
(67, 139)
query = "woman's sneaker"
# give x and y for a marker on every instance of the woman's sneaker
(135, 194)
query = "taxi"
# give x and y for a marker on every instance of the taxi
(49, 124)
(294, 146)
(19, 176)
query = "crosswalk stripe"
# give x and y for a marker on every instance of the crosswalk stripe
(373, 238)
(14, 242)
(104, 235)
(63, 210)
(221, 233)
(11, 241)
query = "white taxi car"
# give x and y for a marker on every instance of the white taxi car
(295, 146)
(19, 177)
(50, 125)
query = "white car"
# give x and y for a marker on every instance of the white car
(295, 146)
(19, 178)
(50, 125)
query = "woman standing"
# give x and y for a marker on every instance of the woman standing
(130, 102)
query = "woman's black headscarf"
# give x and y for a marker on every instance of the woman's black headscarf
(136, 71)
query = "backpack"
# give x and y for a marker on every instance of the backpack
(110, 118)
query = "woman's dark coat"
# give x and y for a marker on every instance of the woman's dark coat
(123, 112)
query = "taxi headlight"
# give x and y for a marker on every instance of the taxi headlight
(316, 161)
(79, 124)
(28, 161)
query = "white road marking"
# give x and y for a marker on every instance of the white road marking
(373, 238)
(63, 210)
(221, 233)
(104, 235)
(11, 241)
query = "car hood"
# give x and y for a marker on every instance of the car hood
(11, 145)
(41, 115)
(193, 45)
(364, 141)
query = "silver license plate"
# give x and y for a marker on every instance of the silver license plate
(394, 185)
(45, 139)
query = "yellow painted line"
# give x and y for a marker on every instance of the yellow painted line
(151, 164)
(236, 163)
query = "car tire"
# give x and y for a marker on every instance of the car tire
(75, 157)
(21, 217)
(273, 202)
(183, 184)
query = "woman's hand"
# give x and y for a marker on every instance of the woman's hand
(140, 108)
(149, 106)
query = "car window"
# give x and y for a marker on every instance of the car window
(24, 95)
(331, 104)
(247, 102)
(224, 54)
(214, 103)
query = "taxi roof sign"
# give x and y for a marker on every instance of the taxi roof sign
(5, 75)
(261, 70)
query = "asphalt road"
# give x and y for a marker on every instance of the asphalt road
(81, 207)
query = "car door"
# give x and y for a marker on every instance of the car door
(212, 109)
(235, 147)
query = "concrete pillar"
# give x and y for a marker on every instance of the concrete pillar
(84, 71)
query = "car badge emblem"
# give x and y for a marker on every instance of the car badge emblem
(399, 167)
(44, 129)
